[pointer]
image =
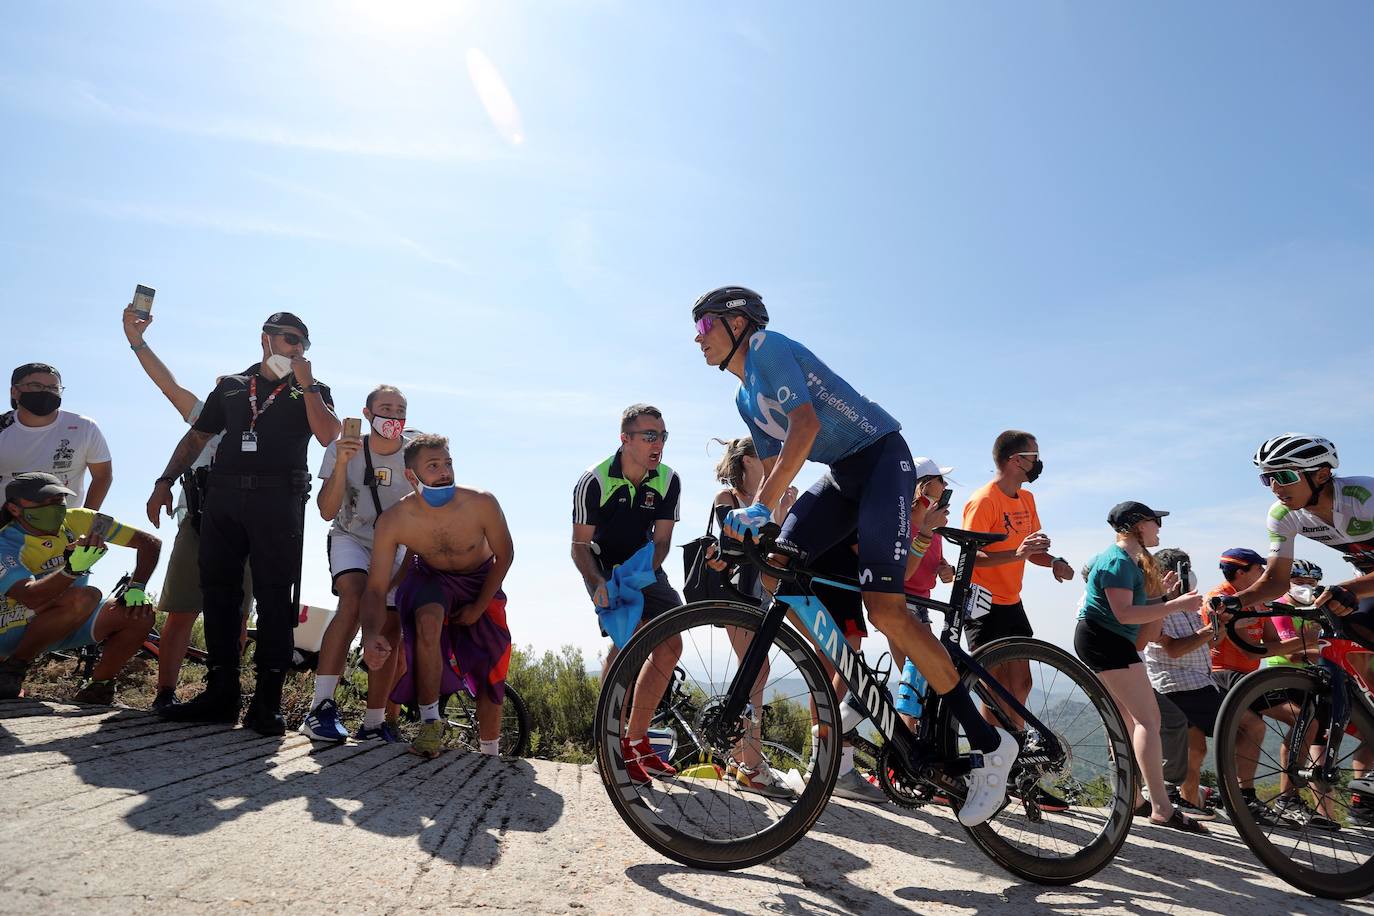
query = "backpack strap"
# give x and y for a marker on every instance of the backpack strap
(6, 419)
(369, 476)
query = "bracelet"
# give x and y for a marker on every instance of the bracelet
(133, 585)
(141, 346)
(164, 480)
(70, 573)
(313, 387)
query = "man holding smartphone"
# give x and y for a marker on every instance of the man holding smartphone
(254, 513)
(364, 476)
(46, 553)
(180, 596)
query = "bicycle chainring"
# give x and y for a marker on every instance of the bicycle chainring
(898, 784)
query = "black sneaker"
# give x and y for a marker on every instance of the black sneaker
(218, 702)
(166, 698)
(12, 674)
(264, 711)
(1264, 815)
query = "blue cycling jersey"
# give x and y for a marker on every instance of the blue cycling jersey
(780, 375)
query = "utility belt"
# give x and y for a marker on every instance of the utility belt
(297, 482)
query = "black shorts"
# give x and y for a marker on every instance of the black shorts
(658, 597)
(1003, 620)
(1200, 706)
(1102, 649)
(1226, 680)
(869, 492)
(845, 605)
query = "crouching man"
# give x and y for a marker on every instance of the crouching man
(46, 553)
(450, 601)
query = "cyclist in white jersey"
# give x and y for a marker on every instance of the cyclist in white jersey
(1312, 502)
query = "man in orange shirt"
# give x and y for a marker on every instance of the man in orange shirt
(1004, 506)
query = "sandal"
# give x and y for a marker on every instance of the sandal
(1180, 821)
(1143, 810)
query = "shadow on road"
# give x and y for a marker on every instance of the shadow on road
(194, 779)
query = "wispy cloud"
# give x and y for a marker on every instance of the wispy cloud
(424, 142)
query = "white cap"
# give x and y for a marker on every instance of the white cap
(926, 467)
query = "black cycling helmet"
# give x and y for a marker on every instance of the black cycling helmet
(732, 300)
(728, 301)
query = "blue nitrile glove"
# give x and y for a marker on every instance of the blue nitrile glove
(748, 520)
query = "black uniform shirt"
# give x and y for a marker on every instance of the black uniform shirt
(282, 428)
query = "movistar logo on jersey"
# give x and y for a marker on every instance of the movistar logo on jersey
(1360, 527)
(1356, 492)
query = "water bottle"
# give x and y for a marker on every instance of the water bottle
(910, 691)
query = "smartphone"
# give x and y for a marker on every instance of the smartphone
(1185, 572)
(944, 499)
(101, 527)
(143, 301)
(352, 427)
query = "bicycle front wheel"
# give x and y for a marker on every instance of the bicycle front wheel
(1068, 812)
(705, 817)
(461, 712)
(1272, 735)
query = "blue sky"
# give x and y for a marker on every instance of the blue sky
(1143, 233)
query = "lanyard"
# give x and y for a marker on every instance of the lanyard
(253, 401)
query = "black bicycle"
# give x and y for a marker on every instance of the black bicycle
(1316, 756)
(1072, 739)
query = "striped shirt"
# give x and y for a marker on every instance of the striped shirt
(1187, 672)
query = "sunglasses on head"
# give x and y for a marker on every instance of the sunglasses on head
(1283, 478)
(649, 435)
(294, 340)
(704, 325)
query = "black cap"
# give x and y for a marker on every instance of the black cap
(30, 369)
(35, 486)
(278, 320)
(1124, 515)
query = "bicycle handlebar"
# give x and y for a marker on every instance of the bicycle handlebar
(758, 550)
(1272, 609)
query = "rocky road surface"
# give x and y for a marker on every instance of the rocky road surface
(113, 811)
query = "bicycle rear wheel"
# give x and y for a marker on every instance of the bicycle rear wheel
(701, 817)
(461, 712)
(1093, 773)
(1331, 855)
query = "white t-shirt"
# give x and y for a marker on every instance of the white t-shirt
(64, 448)
(358, 514)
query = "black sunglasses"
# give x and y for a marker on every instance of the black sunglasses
(294, 340)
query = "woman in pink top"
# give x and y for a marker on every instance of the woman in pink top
(923, 568)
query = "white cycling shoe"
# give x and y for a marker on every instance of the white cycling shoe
(987, 784)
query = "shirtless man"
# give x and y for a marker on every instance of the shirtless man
(450, 600)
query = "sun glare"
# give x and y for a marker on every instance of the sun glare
(496, 98)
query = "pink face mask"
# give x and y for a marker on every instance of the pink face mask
(387, 427)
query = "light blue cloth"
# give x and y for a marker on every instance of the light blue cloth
(624, 589)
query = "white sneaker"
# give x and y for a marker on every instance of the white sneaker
(987, 784)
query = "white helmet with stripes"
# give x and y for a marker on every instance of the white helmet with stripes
(1297, 451)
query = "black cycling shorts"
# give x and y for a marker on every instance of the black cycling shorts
(869, 492)
(845, 605)
(1102, 649)
(1002, 621)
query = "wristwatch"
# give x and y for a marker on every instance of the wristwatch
(313, 386)
(164, 480)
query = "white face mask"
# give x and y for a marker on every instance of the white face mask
(388, 428)
(279, 365)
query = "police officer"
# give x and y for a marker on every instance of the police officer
(255, 512)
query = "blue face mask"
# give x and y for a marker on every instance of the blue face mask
(438, 496)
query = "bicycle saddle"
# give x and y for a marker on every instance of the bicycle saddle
(970, 538)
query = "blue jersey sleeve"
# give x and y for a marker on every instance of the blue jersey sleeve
(780, 375)
(12, 572)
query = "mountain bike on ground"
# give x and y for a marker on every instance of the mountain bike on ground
(1313, 768)
(1072, 738)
